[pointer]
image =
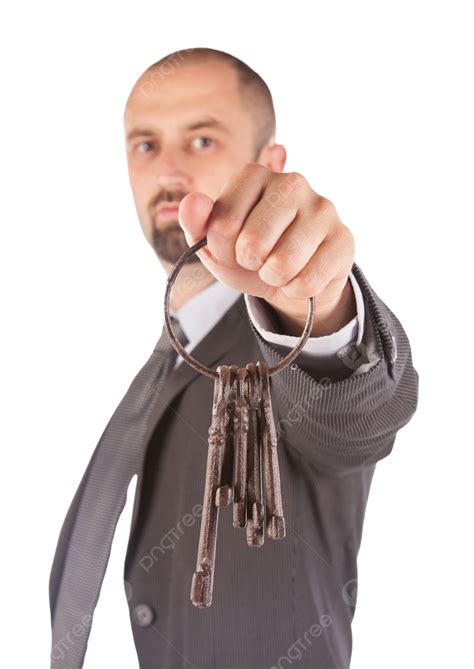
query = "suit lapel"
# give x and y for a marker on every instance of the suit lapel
(232, 327)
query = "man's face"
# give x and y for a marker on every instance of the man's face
(186, 131)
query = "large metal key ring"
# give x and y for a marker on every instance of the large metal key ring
(199, 366)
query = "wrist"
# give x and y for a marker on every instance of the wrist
(329, 317)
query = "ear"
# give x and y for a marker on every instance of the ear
(273, 157)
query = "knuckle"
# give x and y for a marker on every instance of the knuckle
(325, 206)
(297, 179)
(348, 237)
(298, 244)
(252, 170)
(288, 185)
(250, 247)
(280, 265)
(344, 240)
(315, 278)
(307, 282)
(238, 179)
(224, 220)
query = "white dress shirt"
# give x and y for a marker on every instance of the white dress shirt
(200, 313)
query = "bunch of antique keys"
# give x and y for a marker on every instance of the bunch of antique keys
(242, 460)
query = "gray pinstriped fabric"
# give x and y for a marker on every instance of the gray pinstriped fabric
(351, 426)
(86, 536)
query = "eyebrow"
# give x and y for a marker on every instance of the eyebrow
(209, 122)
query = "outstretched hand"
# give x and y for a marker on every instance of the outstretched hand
(269, 234)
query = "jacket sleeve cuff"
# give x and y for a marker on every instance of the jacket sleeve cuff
(324, 356)
(353, 419)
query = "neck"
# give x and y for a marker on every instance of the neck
(191, 280)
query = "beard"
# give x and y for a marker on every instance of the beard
(170, 243)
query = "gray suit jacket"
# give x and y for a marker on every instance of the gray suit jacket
(294, 598)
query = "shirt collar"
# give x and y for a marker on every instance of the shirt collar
(201, 312)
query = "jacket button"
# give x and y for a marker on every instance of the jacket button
(142, 614)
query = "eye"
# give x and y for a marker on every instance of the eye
(198, 139)
(142, 147)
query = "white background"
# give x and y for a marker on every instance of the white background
(374, 106)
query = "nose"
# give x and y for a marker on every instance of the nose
(169, 169)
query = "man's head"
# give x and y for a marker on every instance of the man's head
(192, 120)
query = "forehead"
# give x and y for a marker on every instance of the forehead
(177, 95)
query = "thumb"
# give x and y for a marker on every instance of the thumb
(193, 213)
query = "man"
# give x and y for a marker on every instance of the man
(203, 162)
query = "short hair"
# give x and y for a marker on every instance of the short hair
(256, 96)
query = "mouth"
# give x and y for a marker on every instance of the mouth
(170, 209)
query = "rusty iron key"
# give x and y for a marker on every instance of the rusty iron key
(274, 507)
(241, 427)
(201, 588)
(224, 492)
(255, 509)
(242, 461)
